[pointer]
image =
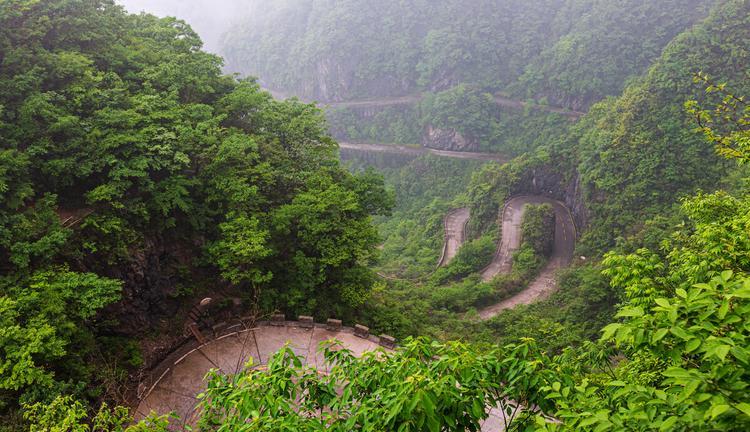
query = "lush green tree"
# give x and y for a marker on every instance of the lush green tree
(422, 386)
(683, 327)
(64, 414)
(134, 176)
(538, 228)
(639, 153)
(727, 124)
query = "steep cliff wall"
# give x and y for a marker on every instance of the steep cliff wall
(448, 139)
(548, 180)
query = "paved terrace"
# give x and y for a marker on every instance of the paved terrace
(181, 379)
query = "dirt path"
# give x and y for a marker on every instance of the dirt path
(562, 255)
(418, 151)
(455, 225)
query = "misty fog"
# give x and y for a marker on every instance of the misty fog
(209, 18)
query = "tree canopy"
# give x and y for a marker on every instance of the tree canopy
(131, 167)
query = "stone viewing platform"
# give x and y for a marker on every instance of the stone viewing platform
(179, 378)
(174, 385)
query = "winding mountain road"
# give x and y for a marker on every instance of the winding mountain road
(418, 151)
(414, 98)
(512, 218)
(181, 379)
(374, 103)
(455, 227)
(176, 388)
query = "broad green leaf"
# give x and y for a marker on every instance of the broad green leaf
(610, 330)
(659, 335)
(680, 333)
(668, 424)
(744, 407)
(726, 275)
(692, 345)
(633, 312)
(721, 351)
(717, 410)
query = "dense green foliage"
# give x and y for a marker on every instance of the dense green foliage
(676, 358)
(132, 173)
(343, 50)
(538, 228)
(473, 256)
(130, 167)
(458, 54)
(426, 189)
(607, 44)
(423, 386)
(639, 152)
(684, 330)
(393, 125)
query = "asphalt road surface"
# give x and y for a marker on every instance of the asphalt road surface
(414, 98)
(418, 151)
(454, 223)
(562, 254)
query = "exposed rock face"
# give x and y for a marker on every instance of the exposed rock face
(448, 139)
(333, 81)
(151, 279)
(337, 80)
(548, 181)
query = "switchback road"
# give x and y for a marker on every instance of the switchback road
(512, 218)
(455, 225)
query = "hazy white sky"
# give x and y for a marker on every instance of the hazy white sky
(210, 18)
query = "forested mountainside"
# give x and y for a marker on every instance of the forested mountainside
(638, 154)
(502, 77)
(622, 170)
(462, 118)
(569, 53)
(135, 178)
